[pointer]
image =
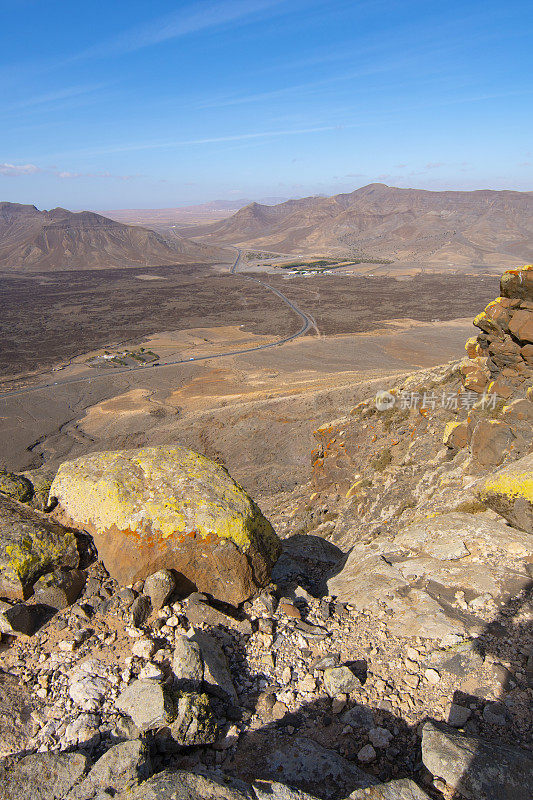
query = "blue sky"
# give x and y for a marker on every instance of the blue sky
(156, 104)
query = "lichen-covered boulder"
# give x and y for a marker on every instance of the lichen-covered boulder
(30, 546)
(60, 588)
(194, 723)
(15, 486)
(509, 492)
(169, 508)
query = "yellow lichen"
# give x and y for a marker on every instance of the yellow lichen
(159, 492)
(512, 486)
(448, 430)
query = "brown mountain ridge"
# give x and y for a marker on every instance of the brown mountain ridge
(36, 241)
(406, 225)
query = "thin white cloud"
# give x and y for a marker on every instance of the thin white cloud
(15, 170)
(66, 175)
(19, 170)
(190, 19)
(169, 145)
(55, 96)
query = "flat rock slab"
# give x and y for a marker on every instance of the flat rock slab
(403, 789)
(272, 790)
(476, 768)
(147, 703)
(217, 677)
(416, 571)
(121, 768)
(169, 508)
(41, 776)
(180, 785)
(307, 765)
(203, 614)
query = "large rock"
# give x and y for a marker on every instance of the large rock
(30, 546)
(19, 618)
(216, 675)
(194, 723)
(521, 325)
(313, 768)
(272, 790)
(122, 768)
(148, 704)
(187, 664)
(158, 587)
(475, 768)
(509, 491)
(17, 487)
(178, 785)
(41, 481)
(403, 789)
(41, 776)
(60, 588)
(340, 680)
(490, 442)
(168, 507)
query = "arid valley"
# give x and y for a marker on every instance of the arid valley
(266, 400)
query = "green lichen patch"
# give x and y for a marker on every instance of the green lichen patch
(15, 486)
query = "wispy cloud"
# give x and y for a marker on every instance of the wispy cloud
(21, 170)
(190, 19)
(170, 145)
(66, 175)
(15, 170)
(58, 95)
(365, 72)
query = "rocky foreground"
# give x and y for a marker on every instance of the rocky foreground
(160, 641)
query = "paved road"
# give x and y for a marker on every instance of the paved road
(307, 323)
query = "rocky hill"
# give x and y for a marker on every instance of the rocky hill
(38, 241)
(161, 642)
(406, 225)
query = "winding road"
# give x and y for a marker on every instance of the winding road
(307, 323)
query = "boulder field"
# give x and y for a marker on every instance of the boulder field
(159, 640)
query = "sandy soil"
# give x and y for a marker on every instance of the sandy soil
(255, 413)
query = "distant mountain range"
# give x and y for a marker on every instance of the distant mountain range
(33, 240)
(163, 218)
(406, 225)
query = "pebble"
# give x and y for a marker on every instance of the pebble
(289, 609)
(151, 672)
(143, 648)
(366, 754)
(432, 676)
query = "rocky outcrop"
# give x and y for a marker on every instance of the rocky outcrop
(30, 545)
(421, 572)
(498, 360)
(168, 507)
